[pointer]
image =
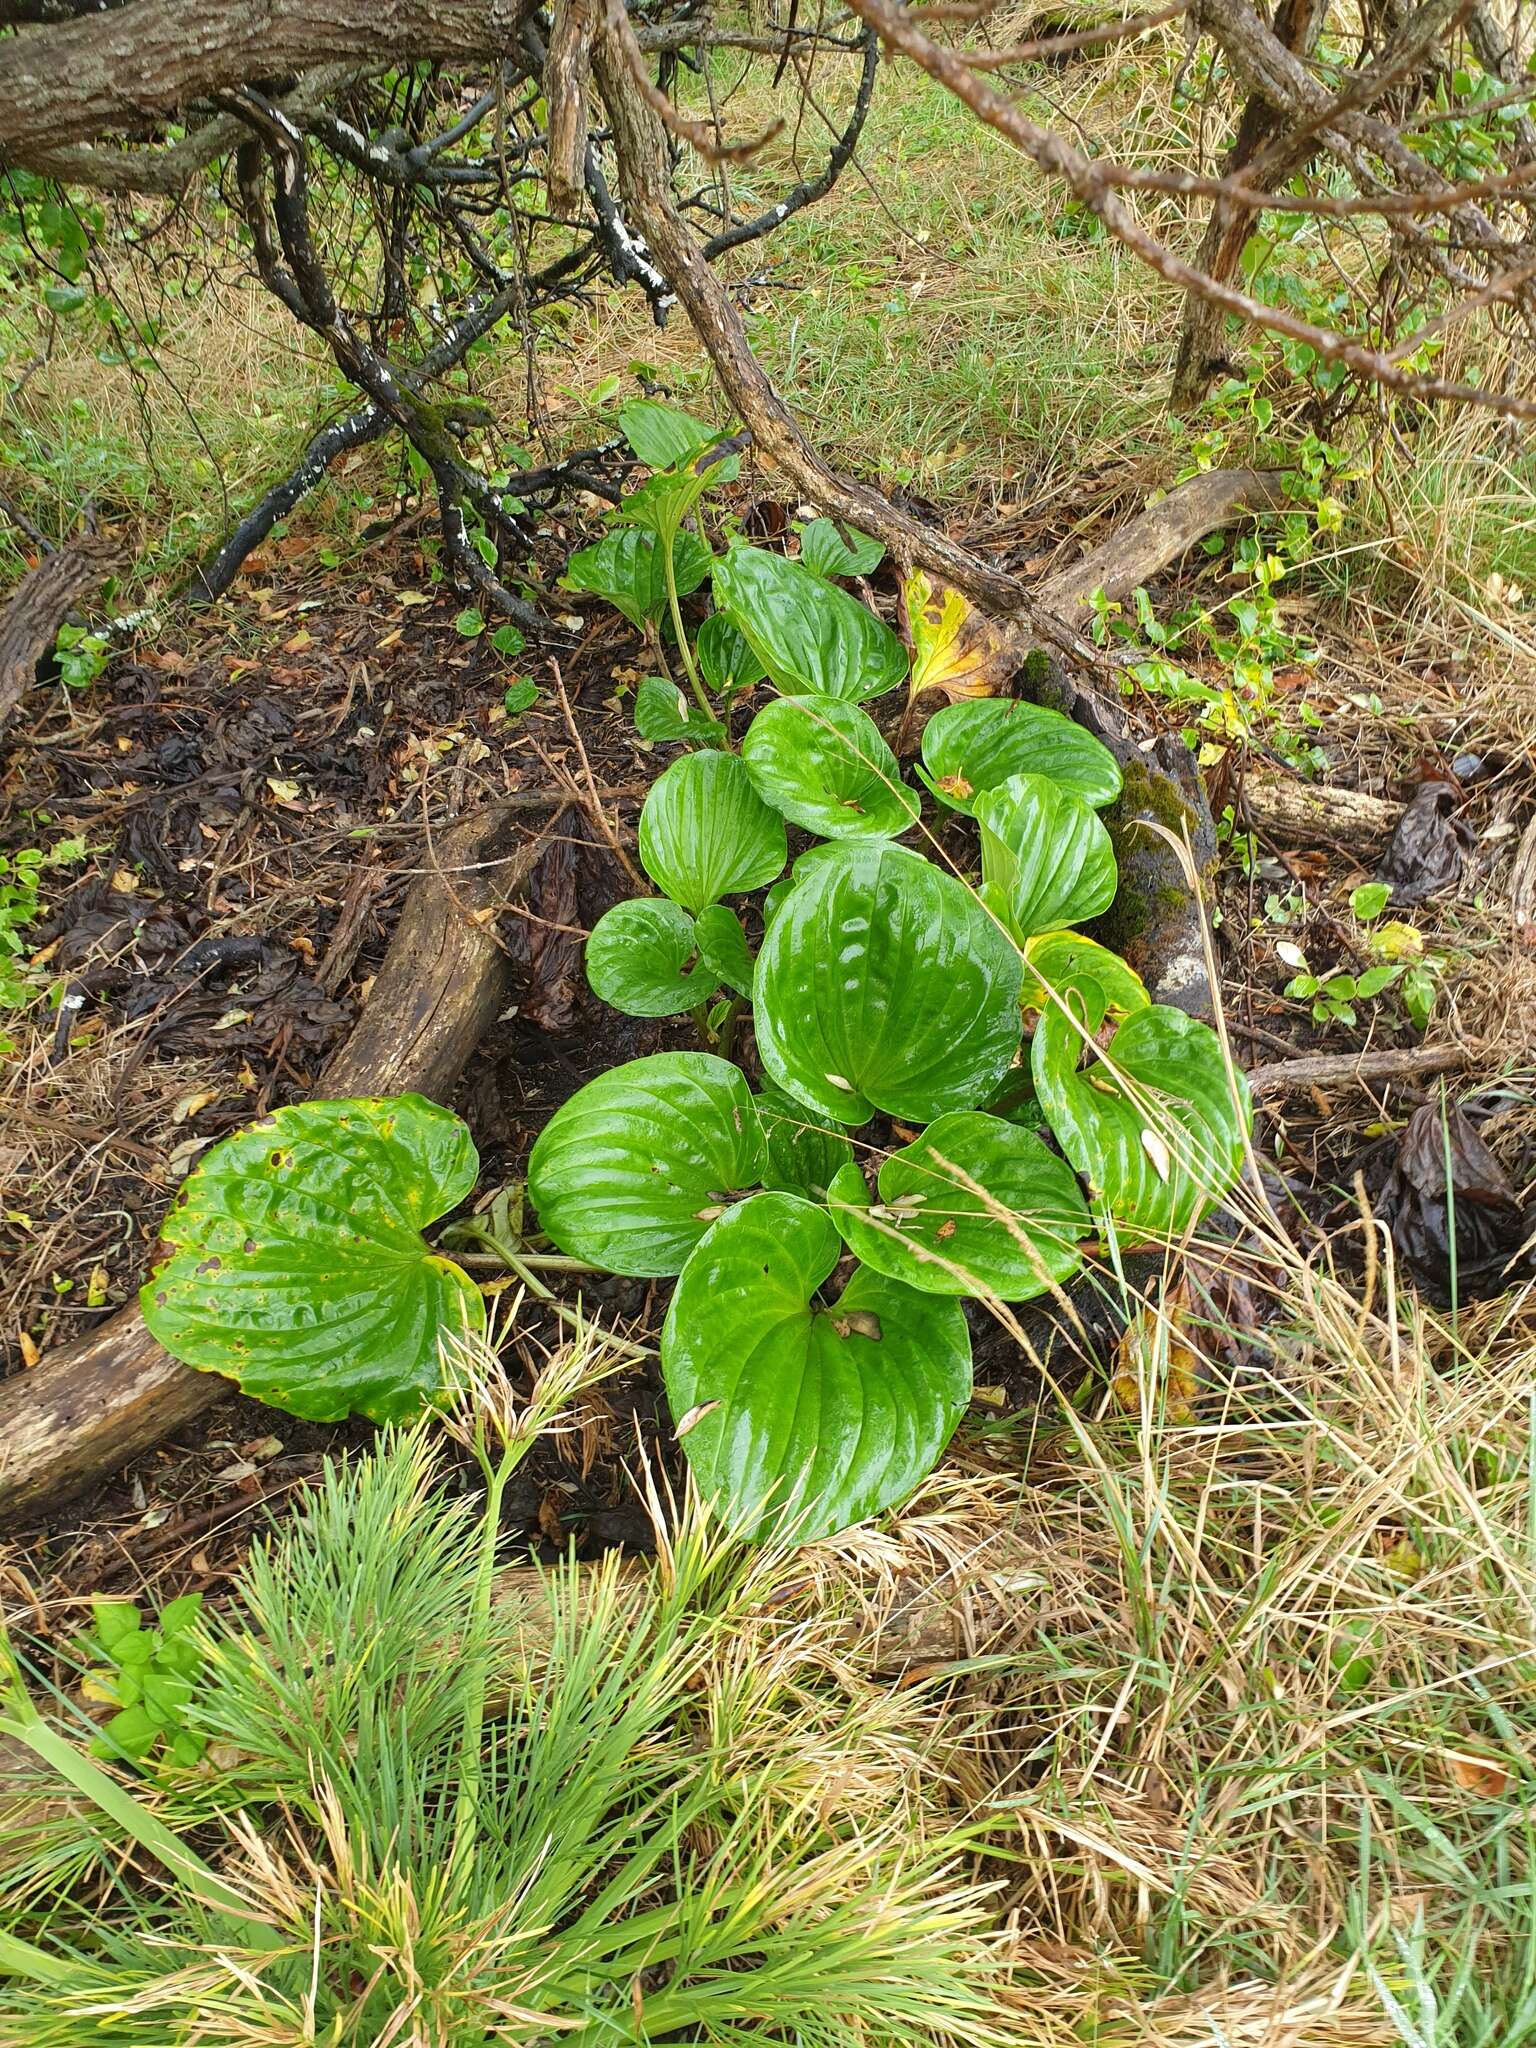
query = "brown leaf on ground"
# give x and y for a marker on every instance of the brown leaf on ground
(1427, 846)
(1146, 1359)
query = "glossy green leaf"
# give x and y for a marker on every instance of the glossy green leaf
(973, 1206)
(805, 1149)
(812, 638)
(1055, 963)
(706, 833)
(643, 959)
(824, 765)
(626, 568)
(723, 948)
(977, 745)
(823, 548)
(298, 1264)
(1152, 1124)
(664, 712)
(883, 984)
(725, 660)
(631, 1171)
(833, 1411)
(1046, 859)
(663, 435)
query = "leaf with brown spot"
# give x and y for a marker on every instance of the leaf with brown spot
(955, 648)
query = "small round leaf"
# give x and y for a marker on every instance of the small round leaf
(706, 833)
(1046, 860)
(825, 765)
(643, 958)
(298, 1265)
(631, 1171)
(1154, 1125)
(975, 746)
(932, 1228)
(833, 1411)
(883, 984)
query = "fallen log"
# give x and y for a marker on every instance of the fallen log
(1158, 536)
(85, 1410)
(41, 602)
(1301, 813)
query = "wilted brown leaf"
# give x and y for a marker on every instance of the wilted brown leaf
(955, 648)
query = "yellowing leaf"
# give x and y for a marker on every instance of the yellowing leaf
(1154, 1350)
(955, 648)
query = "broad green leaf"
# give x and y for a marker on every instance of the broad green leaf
(974, 1206)
(955, 647)
(805, 1149)
(1151, 1124)
(113, 1622)
(664, 712)
(823, 548)
(824, 764)
(833, 1411)
(725, 660)
(632, 1170)
(971, 747)
(706, 833)
(625, 567)
(298, 1264)
(1046, 859)
(812, 638)
(1055, 963)
(723, 948)
(883, 984)
(642, 958)
(663, 435)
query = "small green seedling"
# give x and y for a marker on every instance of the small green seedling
(148, 1674)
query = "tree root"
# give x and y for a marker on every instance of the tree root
(85, 1410)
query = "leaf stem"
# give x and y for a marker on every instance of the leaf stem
(669, 569)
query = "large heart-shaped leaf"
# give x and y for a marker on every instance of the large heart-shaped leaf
(663, 435)
(1153, 1124)
(706, 833)
(883, 984)
(627, 569)
(298, 1265)
(823, 548)
(824, 764)
(812, 638)
(971, 747)
(1055, 963)
(643, 959)
(631, 1171)
(806, 1150)
(1046, 859)
(835, 1411)
(973, 1206)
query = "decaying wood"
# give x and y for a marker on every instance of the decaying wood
(1358, 1069)
(41, 603)
(85, 1410)
(567, 74)
(1522, 884)
(1301, 813)
(1157, 537)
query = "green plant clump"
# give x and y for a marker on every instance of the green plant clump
(969, 1010)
